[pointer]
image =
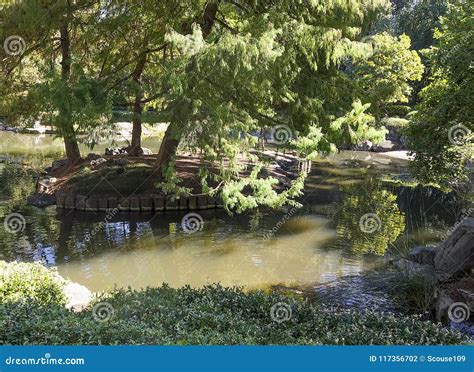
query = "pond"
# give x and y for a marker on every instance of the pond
(331, 239)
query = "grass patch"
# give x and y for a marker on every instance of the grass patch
(212, 315)
(112, 180)
(415, 294)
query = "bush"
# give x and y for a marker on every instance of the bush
(26, 282)
(212, 315)
(394, 122)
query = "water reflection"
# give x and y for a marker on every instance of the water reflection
(369, 219)
(227, 250)
(320, 243)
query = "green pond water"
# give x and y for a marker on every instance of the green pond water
(321, 246)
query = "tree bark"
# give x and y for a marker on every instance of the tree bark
(171, 139)
(135, 148)
(73, 153)
(168, 148)
(208, 18)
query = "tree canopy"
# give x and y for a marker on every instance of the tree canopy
(219, 72)
(442, 133)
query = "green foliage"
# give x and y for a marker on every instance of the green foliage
(267, 66)
(395, 122)
(172, 182)
(419, 20)
(212, 315)
(447, 104)
(215, 77)
(386, 76)
(250, 192)
(24, 282)
(357, 126)
(36, 83)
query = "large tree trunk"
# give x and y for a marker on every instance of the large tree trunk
(135, 148)
(171, 139)
(73, 154)
(167, 150)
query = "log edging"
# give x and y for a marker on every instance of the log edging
(136, 203)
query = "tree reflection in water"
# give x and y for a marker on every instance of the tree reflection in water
(359, 200)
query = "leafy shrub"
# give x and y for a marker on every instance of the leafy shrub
(212, 315)
(394, 122)
(24, 282)
(32, 312)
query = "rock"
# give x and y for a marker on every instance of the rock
(41, 200)
(460, 295)
(147, 151)
(456, 254)
(412, 269)
(422, 255)
(98, 162)
(364, 146)
(384, 146)
(441, 306)
(9, 129)
(58, 164)
(112, 151)
(91, 156)
(47, 181)
(78, 297)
